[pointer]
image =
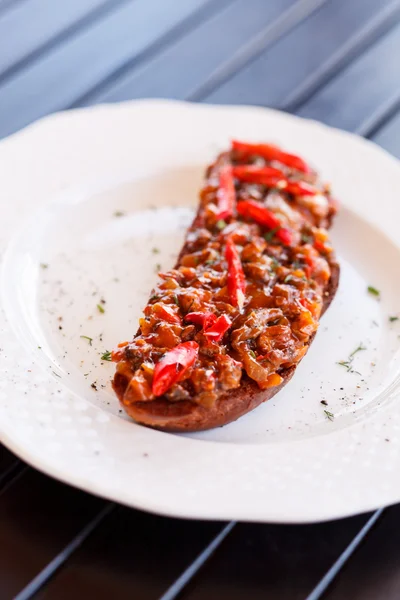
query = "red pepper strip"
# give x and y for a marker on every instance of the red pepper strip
(310, 266)
(117, 355)
(299, 188)
(273, 178)
(236, 279)
(253, 174)
(166, 313)
(270, 152)
(205, 319)
(173, 366)
(226, 193)
(216, 332)
(263, 216)
(318, 245)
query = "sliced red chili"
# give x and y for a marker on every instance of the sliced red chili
(263, 216)
(226, 194)
(236, 280)
(310, 266)
(165, 312)
(299, 188)
(173, 366)
(216, 331)
(205, 319)
(273, 178)
(270, 152)
(263, 175)
(318, 245)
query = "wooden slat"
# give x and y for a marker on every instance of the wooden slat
(180, 69)
(374, 571)
(38, 517)
(354, 94)
(29, 26)
(276, 74)
(272, 561)
(389, 136)
(132, 555)
(57, 80)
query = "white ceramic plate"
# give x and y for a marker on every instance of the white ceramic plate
(92, 200)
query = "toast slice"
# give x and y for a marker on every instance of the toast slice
(225, 329)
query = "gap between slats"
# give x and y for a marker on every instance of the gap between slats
(368, 35)
(104, 9)
(184, 27)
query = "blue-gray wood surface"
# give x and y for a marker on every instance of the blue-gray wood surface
(332, 60)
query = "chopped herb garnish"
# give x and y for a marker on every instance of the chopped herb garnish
(306, 238)
(100, 309)
(155, 250)
(288, 278)
(253, 354)
(358, 349)
(119, 213)
(176, 299)
(39, 347)
(44, 266)
(271, 234)
(274, 264)
(154, 297)
(106, 355)
(393, 319)
(372, 290)
(345, 363)
(89, 339)
(157, 268)
(348, 364)
(221, 224)
(329, 415)
(297, 265)
(56, 374)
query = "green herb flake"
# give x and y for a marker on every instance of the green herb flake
(329, 415)
(89, 339)
(155, 250)
(306, 238)
(271, 234)
(348, 364)
(118, 213)
(106, 355)
(157, 268)
(175, 299)
(393, 319)
(345, 363)
(100, 309)
(253, 354)
(221, 224)
(373, 291)
(358, 349)
(274, 264)
(44, 266)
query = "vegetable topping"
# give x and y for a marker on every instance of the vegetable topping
(245, 297)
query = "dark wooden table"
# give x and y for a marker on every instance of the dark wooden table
(332, 60)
